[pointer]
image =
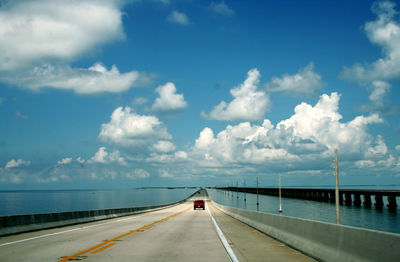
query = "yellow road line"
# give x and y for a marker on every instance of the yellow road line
(104, 245)
(101, 249)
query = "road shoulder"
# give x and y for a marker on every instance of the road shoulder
(250, 244)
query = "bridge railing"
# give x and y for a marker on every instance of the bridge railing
(323, 241)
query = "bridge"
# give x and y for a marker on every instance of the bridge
(179, 233)
(346, 196)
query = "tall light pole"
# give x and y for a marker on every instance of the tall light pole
(244, 188)
(237, 190)
(257, 195)
(337, 187)
(280, 195)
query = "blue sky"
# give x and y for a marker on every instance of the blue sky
(116, 94)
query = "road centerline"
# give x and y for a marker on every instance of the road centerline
(106, 244)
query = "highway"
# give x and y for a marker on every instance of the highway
(177, 233)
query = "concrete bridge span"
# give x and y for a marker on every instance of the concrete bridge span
(174, 233)
(179, 233)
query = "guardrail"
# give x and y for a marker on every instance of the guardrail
(323, 241)
(10, 225)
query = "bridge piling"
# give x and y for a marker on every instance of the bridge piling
(391, 203)
(326, 197)
(378, 201)
(320, 196)
(347, 199)
(367, 201)
(357, 200)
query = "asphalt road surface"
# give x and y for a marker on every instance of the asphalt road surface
(177, 233)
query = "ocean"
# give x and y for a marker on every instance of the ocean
(52, 201)
(370, 218)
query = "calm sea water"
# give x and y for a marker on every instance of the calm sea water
(36, 202)
(383, 220)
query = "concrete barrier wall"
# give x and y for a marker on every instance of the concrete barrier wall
(323, 241)
(25, 223)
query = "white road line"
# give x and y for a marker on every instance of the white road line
(227, 247)
(62, 232)
(71, 230)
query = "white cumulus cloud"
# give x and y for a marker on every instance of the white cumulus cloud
(127, 129)
(64, 161)
(248, 104)
(312, 132)
(168, 99)
(380, 88)
(17, 163)
(178, 18)
(164, 146)
(33, 31)
(385, 32)
(102, 156)
(38, 40)
(306, 81)
(138, 101)
(137, 174)
(165, 173)
(221, 8)
(95, 79)
(321, 124)
(205, 139)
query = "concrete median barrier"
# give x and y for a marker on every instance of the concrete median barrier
(323, 241)
(10, 225)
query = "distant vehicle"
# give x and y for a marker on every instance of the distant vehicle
(199, 204)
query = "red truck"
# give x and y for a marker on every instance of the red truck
(199, 204)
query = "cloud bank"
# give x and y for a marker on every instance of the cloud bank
(93, 80)
(303, 143)
(40, 38)
(33, 31)
(313, 132)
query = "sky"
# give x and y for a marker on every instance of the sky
(124, 94)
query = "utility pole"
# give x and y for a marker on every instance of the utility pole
(257, 195)
(337, 187)
(237, 190)
(244, 188)
(280, 195)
